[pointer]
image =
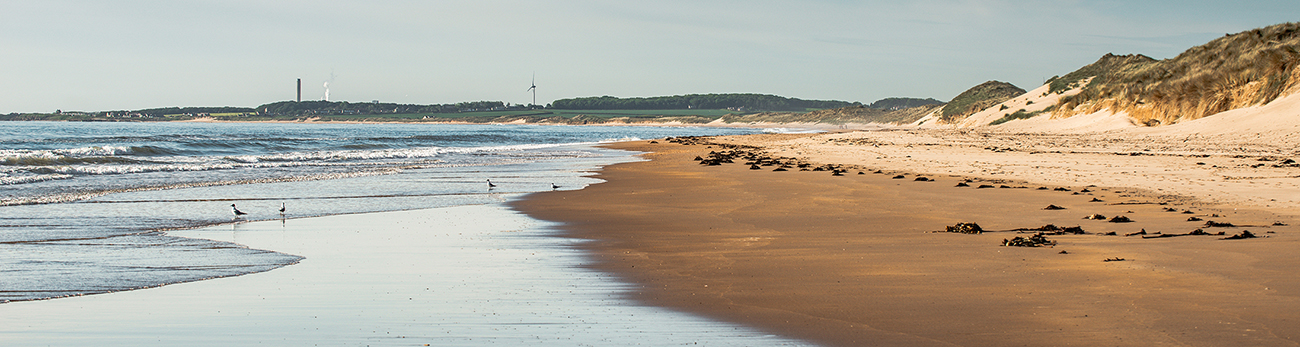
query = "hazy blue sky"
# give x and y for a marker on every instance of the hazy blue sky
(114, 55)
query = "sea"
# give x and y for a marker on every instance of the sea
(86, 208)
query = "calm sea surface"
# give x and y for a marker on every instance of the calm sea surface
(84, 206)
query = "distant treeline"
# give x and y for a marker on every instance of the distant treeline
(745, 102)
(891, 104)
(343, 107)
(162, 111)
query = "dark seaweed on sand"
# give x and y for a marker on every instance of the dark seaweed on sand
(1051, 229)
(1036, 240)
(965, 228)
(1245, 234)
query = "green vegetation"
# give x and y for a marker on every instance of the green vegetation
(902, 103)
(1105, 69)
(1238, 70)
(738, 102)
(979, 98)
(173, 111)
(311, 108)
(843, 115)
(1019, 114)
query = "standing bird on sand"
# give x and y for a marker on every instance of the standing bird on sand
(236, 210)
(554, 187)
(490, 185)
(282, 209)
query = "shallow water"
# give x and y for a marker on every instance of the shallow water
(81, 203)
(472, 275)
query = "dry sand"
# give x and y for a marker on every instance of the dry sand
(850, 260)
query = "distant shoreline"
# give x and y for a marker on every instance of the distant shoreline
(317, 120)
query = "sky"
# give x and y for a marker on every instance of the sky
(134, 54)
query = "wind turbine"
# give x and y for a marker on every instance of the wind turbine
(534, 89)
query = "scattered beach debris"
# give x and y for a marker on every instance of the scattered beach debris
(900, 177)
(1095, 216)
(1245, 234)
(1194, 219)
(1188, 212)
(1042, 188)
(1035, 240)
(1279, 224)
(1060, 189)
(1197, 232)
(1052, 229)
(1143, 232)
(1112, 233)
(962, 184)
(1062, 252)
(1053, 207)
(1085, 190)
(1213, 224)
(983, 186)
(965, 228)
(1169, 209)
(1096, 200)
(1120, 219)
(1113, 259)
(923, 179)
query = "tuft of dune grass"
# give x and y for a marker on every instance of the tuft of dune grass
(1238, 70)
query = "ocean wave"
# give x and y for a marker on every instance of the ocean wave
(81, 155)
(621, 139)
(380, 154)
(791, 131)
(64, 160)
(49, 165)
(7, 180)
(86, 195)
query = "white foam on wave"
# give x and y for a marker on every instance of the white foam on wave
(70, 197)
(382, 157)
(6, 179)
(791, 131)
(92, 151)
(96, 151)
(409, 153)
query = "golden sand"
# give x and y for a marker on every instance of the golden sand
(852, 260)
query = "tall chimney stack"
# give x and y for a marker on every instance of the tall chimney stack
(299, 90)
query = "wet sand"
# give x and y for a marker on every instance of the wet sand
(457, 276)
(851, 260)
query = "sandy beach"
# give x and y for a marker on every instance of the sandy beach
(853, 260)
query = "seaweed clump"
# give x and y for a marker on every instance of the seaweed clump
(965, 228)
(1052, 229)
(1035, 240)
(1245, 234)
